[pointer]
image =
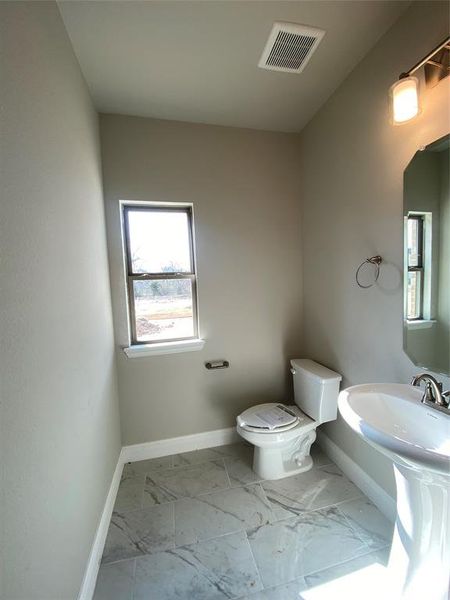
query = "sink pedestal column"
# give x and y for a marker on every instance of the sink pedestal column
(419, 563)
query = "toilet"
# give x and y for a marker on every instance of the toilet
(282, 435)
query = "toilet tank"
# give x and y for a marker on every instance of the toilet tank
(316, 389)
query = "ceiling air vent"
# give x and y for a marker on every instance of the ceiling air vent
(289, 47)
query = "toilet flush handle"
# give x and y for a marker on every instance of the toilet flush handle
(293, 371)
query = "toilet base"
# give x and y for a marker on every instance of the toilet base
(276, 463)
(261, 468)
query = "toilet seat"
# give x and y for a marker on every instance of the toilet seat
(250, 421)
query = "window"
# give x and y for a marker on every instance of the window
(161, 279)
(416, 272)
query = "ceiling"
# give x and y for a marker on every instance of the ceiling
(197, 60)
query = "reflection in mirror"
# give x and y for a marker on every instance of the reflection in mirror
(426, 209)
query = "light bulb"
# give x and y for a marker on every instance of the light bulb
(404, 96)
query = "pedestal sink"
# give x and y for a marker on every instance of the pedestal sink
(392, 419)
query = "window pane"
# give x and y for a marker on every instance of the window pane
(159, 241)
(413, 310)
(413, 243)
(163, 309)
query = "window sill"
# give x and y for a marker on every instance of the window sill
(142, 350)
(420, 324)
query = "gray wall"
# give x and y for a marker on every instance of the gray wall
(244, 186)
(59, 422)
(352, 176)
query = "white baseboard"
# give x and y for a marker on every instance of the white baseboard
(385, 503)
(185, 443)
(95, 556)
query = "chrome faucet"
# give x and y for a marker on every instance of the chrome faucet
(433, 391)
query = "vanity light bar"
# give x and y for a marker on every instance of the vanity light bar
(445, 45)
(404, 94)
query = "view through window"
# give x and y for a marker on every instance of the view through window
(161, 273)
(415, 241)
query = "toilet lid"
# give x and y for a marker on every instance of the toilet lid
(268, 417)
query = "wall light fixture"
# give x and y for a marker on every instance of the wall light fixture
(404, 94)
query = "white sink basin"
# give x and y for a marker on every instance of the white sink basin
(391, 417)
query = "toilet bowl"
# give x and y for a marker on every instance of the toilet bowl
(282, 435)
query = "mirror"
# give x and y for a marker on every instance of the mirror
(426, 210)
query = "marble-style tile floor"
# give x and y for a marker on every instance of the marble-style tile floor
(203, 526)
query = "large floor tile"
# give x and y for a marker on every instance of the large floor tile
(139, 532)
(141, 467)
(240, 471)
(211, 515)
(172, 484)
(317, 488)
(238, 450)
(320, 459)
(159, 490)
(115, 582)
(304, 544)
(360, 578)
(212, 570)
(241, 450)
(371, 525)
(363, 577)
(129, 495)
(287, 591)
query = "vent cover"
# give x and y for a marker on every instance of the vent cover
(289, 47)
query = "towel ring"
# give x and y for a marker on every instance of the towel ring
(376, 262)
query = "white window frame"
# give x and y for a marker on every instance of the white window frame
(140, 348)
(425, 268)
